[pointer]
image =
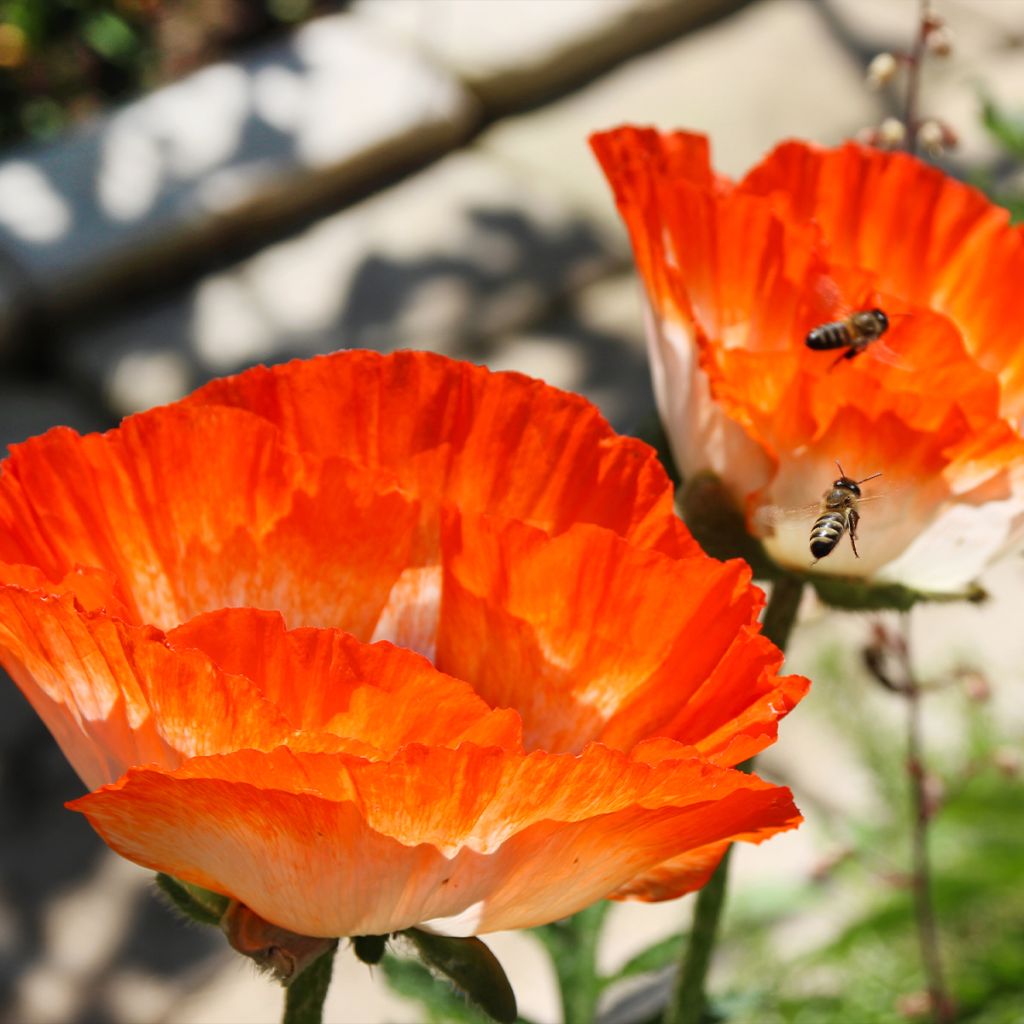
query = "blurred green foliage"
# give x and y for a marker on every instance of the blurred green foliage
(1004, 184)
(61, 60)
(866, 968)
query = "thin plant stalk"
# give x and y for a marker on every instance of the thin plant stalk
(689, 997)
(915, 60)
(305, 996)
(921, 815)
(572, 947)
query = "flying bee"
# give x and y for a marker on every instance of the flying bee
(838, 515)
(854, 333)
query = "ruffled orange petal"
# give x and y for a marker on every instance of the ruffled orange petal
(93, 590)
(626, 640)
(674, 878)
(729, 262)
(116, 695)
(449, 431)
(887, 212)
(932, 241)
(326, 680)
(193, 509)
(468, 841)
(735, 712)
(756, 270)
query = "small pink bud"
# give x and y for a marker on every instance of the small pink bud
(934, 794)
(931, 137)
(940, 41)
(1009, 761)
(914, 1004)
(881, 70)
(976, 687)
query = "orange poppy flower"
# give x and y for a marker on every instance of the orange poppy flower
(172, 600)
(738, 273)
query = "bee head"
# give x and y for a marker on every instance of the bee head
(844, 483)
(883, 320)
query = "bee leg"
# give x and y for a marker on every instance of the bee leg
(854, 518)
(851, 353)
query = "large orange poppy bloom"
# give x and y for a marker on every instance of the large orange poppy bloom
(737, 274)
(188, 602)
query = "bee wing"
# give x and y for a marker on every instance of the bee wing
(767, 517)
(824, 303)
(887, 354)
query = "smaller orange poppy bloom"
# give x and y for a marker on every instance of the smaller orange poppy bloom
(738, 273)
(189, 602)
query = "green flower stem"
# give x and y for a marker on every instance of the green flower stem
(572, 947)
(942, 1008)
(688, 997)
(783, 605)
(304, 997)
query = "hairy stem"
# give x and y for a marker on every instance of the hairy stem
(915, 61)
(572, 947)
(780, 614)
(921, 814)
(304, 997)
(688, 996)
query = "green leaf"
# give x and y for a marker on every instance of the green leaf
(110, 36)
(441, 1004)
(471, 967)
(654, 958)
(1007, 129)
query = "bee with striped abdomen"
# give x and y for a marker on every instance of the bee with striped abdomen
(854, 333)
(838, 515)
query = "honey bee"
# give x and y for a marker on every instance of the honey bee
(838, 515)
(854, 333)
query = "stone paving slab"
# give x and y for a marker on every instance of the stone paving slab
(233, 147)
(465, 249)
(592, 344)
(512, 53)
(771, 71)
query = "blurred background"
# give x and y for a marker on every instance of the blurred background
(188, 188)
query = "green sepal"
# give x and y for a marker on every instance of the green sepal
(196, 903)
(853, 594)
(471, 967)
(719, 527)
(369, 948)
